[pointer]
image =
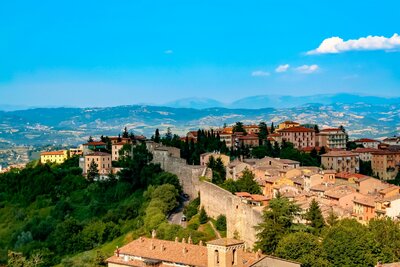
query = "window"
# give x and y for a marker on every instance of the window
(234, 257)
(216, 252)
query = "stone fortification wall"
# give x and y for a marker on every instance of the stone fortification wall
(241, 218)
(188, 175)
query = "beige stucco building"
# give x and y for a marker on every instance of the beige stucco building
(341, 161)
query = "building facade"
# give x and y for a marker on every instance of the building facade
(333, 138)
(385, 164)
(299, 136)
(341, 161)
(102, 160)
(54, 156)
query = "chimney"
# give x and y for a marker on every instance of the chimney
(258, 254)
(176, 239)
(185, 250)
(153, 234)
(163, 247)
(201, 243)
(183, 240)
(117, 251)
(152, 246)
(190, 240)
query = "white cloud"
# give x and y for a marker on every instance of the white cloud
(307, 69)
(168, 51)
(334, 45)
(260, 73)
(282, 68)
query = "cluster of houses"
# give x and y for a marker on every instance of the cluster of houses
(346, 194)
(384, 155)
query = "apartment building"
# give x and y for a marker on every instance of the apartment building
(299, 136)
(385, 164)
(341, 161)
(333, 138)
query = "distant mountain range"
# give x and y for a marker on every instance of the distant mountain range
(279, 101)
(70, 126)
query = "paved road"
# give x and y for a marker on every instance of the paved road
(176, 216)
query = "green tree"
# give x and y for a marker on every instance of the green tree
(272, 128)
(366, 168)
(93, 171)
(246, 183)
(192, 209)
(90, 139)
(302, 247)
(332, 218)
(203, 218)
(220, 223)
(239, 128)
(314, 217)
(278, 220)
(316, 128)
(386, 237)
(263, 132)
(348, 243)
(157, 137)
(125, 133)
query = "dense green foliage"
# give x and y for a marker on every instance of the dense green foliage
(203, 218)
(336, 243)
(218, 170)
(192, 209)
(366, 168)
(50, 211)
(220, 223)
(245, 183)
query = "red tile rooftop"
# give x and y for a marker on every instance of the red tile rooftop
(348, 175)
(98, 154)
(330, 130)
(48, 153)
(365, 140)
(365, 150)
(297, 129)
(95, 143)
(339, 153)
(243, 194)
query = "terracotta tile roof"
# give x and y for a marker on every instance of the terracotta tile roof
(169, 251)
(225, 242)
(330, 130)
(366, 201)
(243, 194)
(48, 153)
(365, 140)
(389, 189)
(95, 143)
(310, 148)
(365, 150)
(116, 138)
(98, 154)
(348, 175)
(385, 152)
(297, 129)
(339, 153)
(259, 198)
(340, 191)
(156, 250)
(321, 187)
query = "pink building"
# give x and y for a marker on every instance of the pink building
(299, 136)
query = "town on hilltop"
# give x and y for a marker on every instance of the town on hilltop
(233, 179)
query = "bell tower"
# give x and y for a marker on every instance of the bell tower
(225, 252)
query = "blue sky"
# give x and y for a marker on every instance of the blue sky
(105, 53)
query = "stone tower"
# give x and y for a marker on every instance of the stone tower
(225, 252)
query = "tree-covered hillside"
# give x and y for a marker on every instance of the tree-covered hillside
(48, 213)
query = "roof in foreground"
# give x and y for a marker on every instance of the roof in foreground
(225, 242)
(98, 154)
(152, 249)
